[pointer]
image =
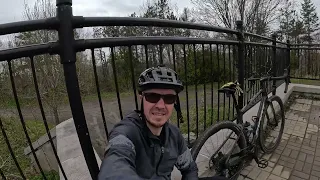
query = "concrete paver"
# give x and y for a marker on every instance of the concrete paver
(298, 155)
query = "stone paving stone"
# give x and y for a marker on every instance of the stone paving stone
(285, 136)
(286, 152)
(268, 169)
(271, 164)
(294, 154)
(317, 153)
(245, 172)
(297, 156)
(306, 142)
(275, 157)
(302, 156)
(278, 151)
(286, 173)
(307, 136)
(304, 147)
(292, 148)
(274, 177)
(298, 145)
(315, 173)
(316, 167)
(309, 158)
(263, 175)
(294, 178)
(282, 163)
(307, 168)
(277, 170)
(309, 152)
(300, 174)
(288, 159)
(313, 143)
(317, 158)
(317, 163)
(316, 103)
(249, 168)
(254, 173)
(303, 101)
(299, 165)
(314, 178)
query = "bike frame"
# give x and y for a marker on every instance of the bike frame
(252, 102)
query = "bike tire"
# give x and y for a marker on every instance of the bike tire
(214, 129)
(269, 102)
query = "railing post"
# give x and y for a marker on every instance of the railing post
(68, 60)
(240, 36)
(274, 60)
(288, 56)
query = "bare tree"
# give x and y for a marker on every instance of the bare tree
(48, 68)
(257, 15)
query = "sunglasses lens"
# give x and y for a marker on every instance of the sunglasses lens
(169, 99)
(154, 98)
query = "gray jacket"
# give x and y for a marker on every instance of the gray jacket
(135, 153)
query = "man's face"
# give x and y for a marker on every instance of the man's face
(158, 111)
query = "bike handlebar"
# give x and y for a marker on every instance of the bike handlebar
(268, 78)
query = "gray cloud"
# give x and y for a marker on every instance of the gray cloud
(12, 10)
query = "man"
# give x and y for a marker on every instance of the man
(144, 145)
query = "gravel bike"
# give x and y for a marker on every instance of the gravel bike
(243, 140)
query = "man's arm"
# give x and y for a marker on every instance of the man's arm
(119, 161)
(185, 162)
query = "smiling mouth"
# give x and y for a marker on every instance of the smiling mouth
(158, 114)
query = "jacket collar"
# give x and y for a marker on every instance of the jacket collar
(141, 122)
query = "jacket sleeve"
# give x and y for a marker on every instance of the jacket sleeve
(185, 162)
(119, 161)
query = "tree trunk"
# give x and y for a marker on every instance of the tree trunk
(56, 115)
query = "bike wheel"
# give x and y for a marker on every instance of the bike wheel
(214, 164)
(272, 124)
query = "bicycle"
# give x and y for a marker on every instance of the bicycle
(247, 138)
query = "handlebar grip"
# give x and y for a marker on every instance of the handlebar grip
(253, 79)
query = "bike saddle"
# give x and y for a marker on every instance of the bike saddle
(231, 88)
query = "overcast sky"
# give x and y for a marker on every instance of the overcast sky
(12, 10)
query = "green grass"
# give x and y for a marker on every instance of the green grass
(9, 102)
(306, 81)
(211, 118)
(106, 96)
(18, 142)
(52, 175)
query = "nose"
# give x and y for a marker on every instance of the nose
(160, 103)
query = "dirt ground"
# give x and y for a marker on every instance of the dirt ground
(111, 111)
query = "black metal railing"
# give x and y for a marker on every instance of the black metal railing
(204, 64)
(304, 61)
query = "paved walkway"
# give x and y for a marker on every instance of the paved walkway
(70, 153)
(298, 155)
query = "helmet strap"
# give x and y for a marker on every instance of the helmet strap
(178, 109)
(142, 116)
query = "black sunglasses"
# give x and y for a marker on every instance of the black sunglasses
(154, 97)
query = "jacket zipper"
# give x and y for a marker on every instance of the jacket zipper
(162, 152)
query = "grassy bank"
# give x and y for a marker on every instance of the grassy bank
(206, 117)
(18, 142)
(306, 81)
(9, 102)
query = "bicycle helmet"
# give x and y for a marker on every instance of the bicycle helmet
(159, 77)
